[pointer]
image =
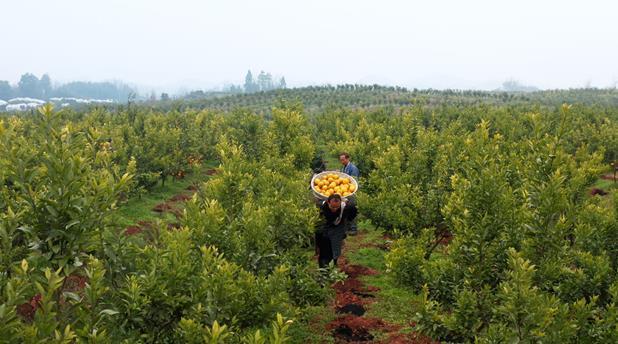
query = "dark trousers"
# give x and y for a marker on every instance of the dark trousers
(325, 250)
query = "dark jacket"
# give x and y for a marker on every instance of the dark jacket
(335, 232)
(318, 165)
(328, 218)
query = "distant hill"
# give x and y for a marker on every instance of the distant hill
(316, 98)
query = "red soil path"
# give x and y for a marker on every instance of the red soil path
(353, 294)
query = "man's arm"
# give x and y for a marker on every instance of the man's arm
(354, 172)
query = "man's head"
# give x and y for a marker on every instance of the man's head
(344, 158)
(334, 202)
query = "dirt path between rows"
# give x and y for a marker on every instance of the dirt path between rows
(173, 205)
(353, 299)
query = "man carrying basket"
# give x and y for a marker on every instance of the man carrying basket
(334, 216)
(350, 169)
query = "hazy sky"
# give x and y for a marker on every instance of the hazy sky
(439, 44)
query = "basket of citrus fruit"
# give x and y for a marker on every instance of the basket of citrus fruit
(333, 182)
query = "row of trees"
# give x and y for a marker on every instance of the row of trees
(317, 99)
(28, 86)
(497, 231)
(31, 86)
(531, 256)
(235, 271)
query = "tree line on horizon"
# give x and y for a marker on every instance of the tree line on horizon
(263, 82)
(31, 86)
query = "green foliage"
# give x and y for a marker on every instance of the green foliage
(488, 202)
(497, 189)
(64, 195)
(55, 313)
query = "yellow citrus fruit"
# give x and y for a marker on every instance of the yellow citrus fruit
(351, 187)
(345, 181)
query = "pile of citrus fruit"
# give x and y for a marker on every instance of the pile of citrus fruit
(334, 184)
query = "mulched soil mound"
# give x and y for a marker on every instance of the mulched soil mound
(162, 207)
(141, 226)
(608, 177)
(26, 310)
(597, 191)
(166, 207)
(351, 328)
(183, 197)
(354, 271)
(344, 334)
(74, 283)
(354, 286)
(132, 230)
(173, 226)
(145, 224)
(352, 290)
(352, 308)
(446, 238)
(178, 213)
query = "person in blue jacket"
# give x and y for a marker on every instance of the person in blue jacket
(350, 169)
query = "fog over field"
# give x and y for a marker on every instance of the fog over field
(184, 45)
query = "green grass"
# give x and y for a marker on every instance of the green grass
(140, 208)
(393, 303)
(608, 186)
(310, 327)
(331, 161)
